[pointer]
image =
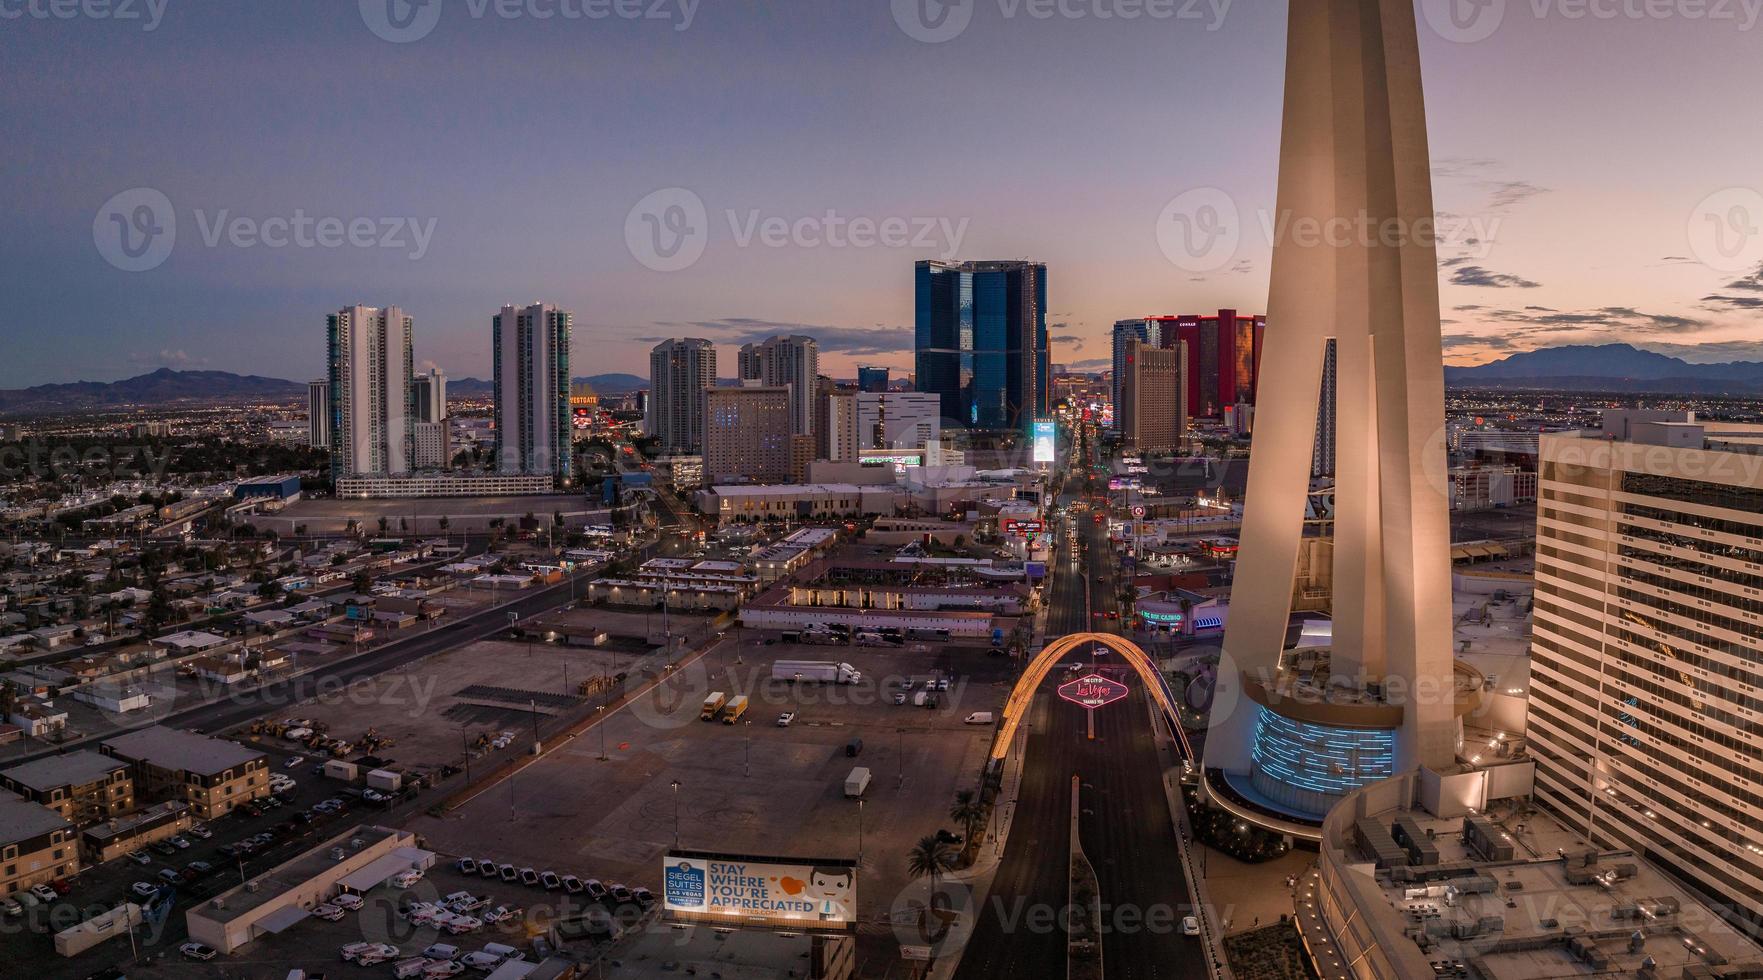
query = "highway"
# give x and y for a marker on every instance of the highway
(1125, 827)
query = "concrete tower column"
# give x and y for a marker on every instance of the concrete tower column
(1354, 260)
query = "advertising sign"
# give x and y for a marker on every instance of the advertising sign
(1044, 433)
(1021, 526)
(1093, 691)
(764, 890)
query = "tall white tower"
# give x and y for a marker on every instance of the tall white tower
(370, 371)
(1354, 162)
(531, 364)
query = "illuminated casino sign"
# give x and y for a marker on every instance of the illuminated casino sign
(1093, 691)
(1021, 526)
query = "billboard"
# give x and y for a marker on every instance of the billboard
(1093, 691)
(1022, 527)
(772, 891)
(1043, 433)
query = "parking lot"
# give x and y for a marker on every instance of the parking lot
(750, 787)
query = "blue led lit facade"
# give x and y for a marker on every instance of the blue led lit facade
(981, 341)
(1307, 767)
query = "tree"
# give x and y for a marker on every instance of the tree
(967, 811)
(362, 583)
(927, 859)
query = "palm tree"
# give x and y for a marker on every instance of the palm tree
(927, 859)
(969, 812)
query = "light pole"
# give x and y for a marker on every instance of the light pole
(601, 724)
(859, 831)
(675, 785)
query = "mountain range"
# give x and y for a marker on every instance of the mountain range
(1612, 368)
(168, 387)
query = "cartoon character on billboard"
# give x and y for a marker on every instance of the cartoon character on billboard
(831, 890)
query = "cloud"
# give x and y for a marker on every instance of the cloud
(1452, 341)
(863, 341)
(1475, 275)
(1093, 364)
(167, 358)
(1713, 352)
(1507, 194)
(1076, 342)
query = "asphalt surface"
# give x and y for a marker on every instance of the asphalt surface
(1125, 826)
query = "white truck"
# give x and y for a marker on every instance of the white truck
(824, 671)
(856, 783)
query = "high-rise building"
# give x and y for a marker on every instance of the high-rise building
(1126, 332)
(792, 362)
(898, 419)
(980, 341)
(430, 446)
(1646, 674)
(872, 379)
(531, 353)
(747, 434)
(428, 396)
(680, 371)
(1152, 413)
(824, 388)
(370, 371)
(318, 414)
(1387, 693)
(843, 444)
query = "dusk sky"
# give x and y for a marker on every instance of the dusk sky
(1586, 154)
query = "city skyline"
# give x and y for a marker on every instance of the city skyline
(1587, 247)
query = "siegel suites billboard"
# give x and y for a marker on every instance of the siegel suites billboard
(767, 891)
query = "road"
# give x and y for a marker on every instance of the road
(1125, 827)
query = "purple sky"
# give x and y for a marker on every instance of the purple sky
(1585, 151)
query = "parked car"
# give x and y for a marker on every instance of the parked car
(550, 880)
(784, 720)
(145, 889)
(404, 879)
(466, 866)
(11, 909)
(61, 885)
(459, 925)
(491, 956)
(572, 884)
(440, 969)
(413, 967)
(197, 951)
(508, 873)
(163, 847)
(140, 858)
(620, 893)
(296, 760)
(643, 896)
(486, 867)
(350, 902)
(200, 830)
(167, 875)
(327, 912)
(596, 891)
(374, 953)
(529, 877)
(441, 951)
(202, 868)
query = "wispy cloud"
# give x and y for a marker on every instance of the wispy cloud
(864, 341)
(1475, 275)
(167, 358)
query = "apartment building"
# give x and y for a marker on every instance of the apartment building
(36, 845)
(213, 775)
(84, 787)
(1646, 711)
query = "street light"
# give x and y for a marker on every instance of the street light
(859, 831)
(675, 785)
(601, 724)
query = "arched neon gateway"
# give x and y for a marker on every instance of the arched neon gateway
(1023, 694)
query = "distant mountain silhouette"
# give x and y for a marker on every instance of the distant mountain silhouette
(161, 387)
(605, 384)
(1610, 367)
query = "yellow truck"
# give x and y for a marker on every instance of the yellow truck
(734, 710)
(712, 705)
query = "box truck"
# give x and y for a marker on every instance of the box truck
(856, 783)
(712, 705)
(824, 671)
(735, 709)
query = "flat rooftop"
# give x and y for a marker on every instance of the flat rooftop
(169, 748)
(275, 883)
(666, 953)
(21, 820)
(1540, 911)
(73, 769)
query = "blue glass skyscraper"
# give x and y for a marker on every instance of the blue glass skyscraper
(981, 341)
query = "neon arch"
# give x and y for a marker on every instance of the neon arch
(1023, 694)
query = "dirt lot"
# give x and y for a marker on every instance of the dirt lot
(752, 787)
